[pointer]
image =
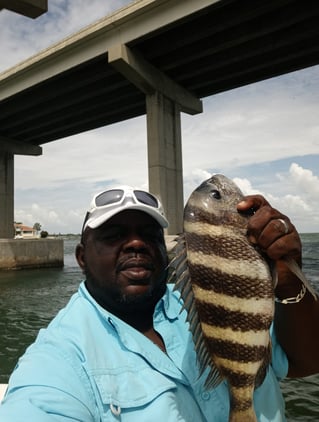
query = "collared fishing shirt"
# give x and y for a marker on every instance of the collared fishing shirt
(88, 365)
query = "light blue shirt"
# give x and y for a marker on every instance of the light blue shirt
(88, 365)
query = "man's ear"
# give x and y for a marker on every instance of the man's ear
(79, 255)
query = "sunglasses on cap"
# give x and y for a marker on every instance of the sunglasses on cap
(117, 196)
(108, 203)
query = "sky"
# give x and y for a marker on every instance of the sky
(265, 136)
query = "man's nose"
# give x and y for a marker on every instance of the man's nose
(135, 242)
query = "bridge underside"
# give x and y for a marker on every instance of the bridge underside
(154, 57)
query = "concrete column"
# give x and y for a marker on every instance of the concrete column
(165, 168)
(6, 195)
(164, 101)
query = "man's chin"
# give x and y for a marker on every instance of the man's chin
(141, 296)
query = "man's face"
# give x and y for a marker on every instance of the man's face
(125, 262)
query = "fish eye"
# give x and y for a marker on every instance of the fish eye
(215, 194)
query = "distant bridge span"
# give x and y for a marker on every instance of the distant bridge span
(153, 57)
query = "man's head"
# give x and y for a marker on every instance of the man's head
(122, 250)
(111, 202)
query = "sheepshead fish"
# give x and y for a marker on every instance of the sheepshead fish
(228, 290)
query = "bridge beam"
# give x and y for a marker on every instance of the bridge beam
(18, 148)
(149, 79)
(29, 8)
(165, 99)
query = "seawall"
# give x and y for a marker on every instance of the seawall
(31, 253)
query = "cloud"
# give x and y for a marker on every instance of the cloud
(305, 180)
(106, 154)
(270, 120)
(300, 201)
(246, 187)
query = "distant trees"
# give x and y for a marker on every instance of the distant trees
(43, 233)
(37, 227)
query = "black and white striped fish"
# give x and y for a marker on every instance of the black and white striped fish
(228, 290)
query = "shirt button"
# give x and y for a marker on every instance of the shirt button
(205, 395)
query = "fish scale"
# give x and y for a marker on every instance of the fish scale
(228, 292)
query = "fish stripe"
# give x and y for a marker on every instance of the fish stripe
(248, 338)
(249, 306)
(245, 367)
(244, 392)
(231, 285)
(239, 404)
(218, 230)
(244, 352)
(239, 379)
(253, 269)
(223, 317)
(221, 245)
(242, 402)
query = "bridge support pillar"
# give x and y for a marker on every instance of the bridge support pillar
(165, 168)
(165, 99)
(8, 148)
(6, 194)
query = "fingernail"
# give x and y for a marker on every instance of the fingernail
(252, 240)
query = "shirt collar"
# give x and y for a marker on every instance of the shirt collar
(166, 305)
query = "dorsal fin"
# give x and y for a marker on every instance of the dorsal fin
(181, 277)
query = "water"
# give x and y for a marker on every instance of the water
(29, 299)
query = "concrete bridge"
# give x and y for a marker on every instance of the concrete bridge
(153, 57)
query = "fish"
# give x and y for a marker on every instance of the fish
(227, 287)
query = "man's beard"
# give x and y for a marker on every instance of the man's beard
(133, 302)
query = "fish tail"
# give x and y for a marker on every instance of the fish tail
(243, 416)
(241, 404)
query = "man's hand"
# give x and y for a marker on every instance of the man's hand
(272, 231)
(296, 324)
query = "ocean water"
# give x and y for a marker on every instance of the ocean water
(29, 299)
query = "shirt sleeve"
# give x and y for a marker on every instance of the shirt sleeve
(279, 361)
(45, 387)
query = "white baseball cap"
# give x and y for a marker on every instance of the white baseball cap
(108, 203)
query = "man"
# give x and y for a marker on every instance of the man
(121, 349)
